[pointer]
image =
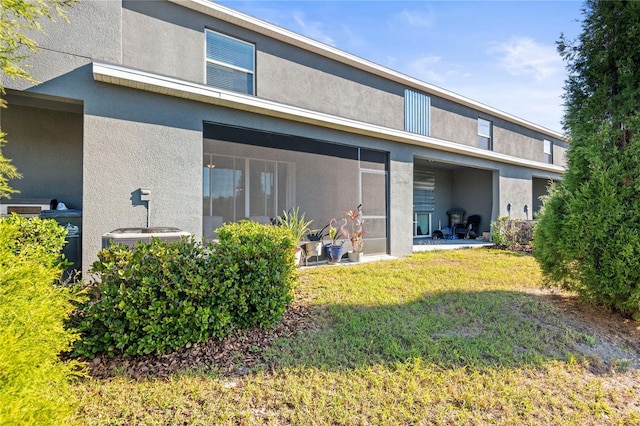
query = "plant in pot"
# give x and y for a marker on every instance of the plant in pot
(313, 247)
(298, 226)
(335, 248)
(357, 231)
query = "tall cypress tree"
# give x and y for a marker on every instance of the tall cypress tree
(588, 235)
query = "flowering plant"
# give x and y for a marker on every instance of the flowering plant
(357, 230)
(335, 233)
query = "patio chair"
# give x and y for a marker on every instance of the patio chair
(470, 230)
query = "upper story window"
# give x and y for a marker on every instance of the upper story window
(230, 63)
(485, 131)
(416, 112)
(548, 151)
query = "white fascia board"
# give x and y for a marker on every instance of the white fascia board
(270, 30)
(141, 80)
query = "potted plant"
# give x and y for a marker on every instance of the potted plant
(299, 227)
(314, 246)
(335, 248)
(357, 231)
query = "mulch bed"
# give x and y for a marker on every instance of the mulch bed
(236, 355)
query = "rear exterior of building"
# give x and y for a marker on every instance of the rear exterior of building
(219, 117)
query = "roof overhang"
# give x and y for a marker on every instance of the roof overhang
(273, 31)
(141, 80)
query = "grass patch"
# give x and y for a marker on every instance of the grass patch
(456, 337)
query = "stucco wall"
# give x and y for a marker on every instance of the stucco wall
(452, 122)
(515, 189)
(167, 39)
(164, 38)
(94, 32)
(444, 200)
(136, 140)
(459, 124)
(474, 193)
(560, 149)
(539, 188)
(401, 201)
(523, 143)
(46, 147)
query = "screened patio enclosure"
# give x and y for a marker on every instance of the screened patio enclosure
(255, 175)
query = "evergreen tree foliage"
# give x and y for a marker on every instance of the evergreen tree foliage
(588, 234)
(35, 384)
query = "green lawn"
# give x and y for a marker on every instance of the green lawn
(456, 337)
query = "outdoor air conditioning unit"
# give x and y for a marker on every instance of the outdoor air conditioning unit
(132, 236)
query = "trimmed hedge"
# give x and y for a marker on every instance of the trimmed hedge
(34, 382)
(256, 263)
(163, 295)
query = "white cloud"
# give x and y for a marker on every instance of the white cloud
(391, 61)
(523, 56)
(354, 40)
(432, 69)
(416, 18)
(312, 29)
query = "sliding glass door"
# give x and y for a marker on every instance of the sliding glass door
(236, 188)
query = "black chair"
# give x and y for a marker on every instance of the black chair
(473, 224)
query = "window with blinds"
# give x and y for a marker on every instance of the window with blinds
(424, 191)
(230, 63)
(416, 112)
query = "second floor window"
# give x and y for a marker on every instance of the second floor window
(548, 151)
(230, 63)
(485, 130)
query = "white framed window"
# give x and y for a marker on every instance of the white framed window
(421, 224)
(548, 151)
(416, 112)
(485, 132)
(230, 63)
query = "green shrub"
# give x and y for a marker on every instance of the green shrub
(257, 264)
(34, 382)
(157, 297)
(512, 234)
(44, 236)
(163, 295)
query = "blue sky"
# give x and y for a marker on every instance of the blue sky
(500, 53)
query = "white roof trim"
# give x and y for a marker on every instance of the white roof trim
(136, 79)
(270, 30)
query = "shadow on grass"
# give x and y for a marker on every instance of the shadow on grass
(448, 329)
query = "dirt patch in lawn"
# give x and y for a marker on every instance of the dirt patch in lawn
(610, 342)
